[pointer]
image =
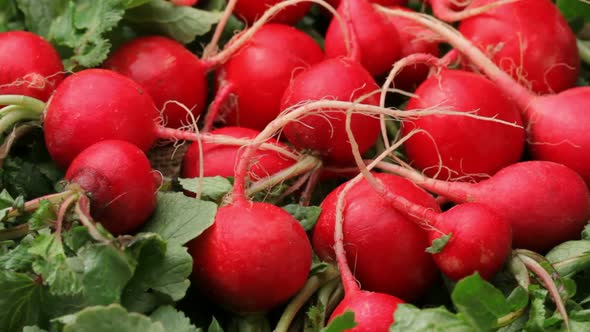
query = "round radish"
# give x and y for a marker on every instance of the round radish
(251, 83)
(336, 3)
(369, 28)
(387, 249)
(29, 65)
(118, 178)
(544, 57)
(372, 311)
(221, 159)
(546, 203)
(463, 146)
(251, 10)
(168, 72)
(325, 133)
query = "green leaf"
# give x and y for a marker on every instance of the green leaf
(179, 218)
(27, 178)
(570, 257)
(307, 215)
(52, 265)
(574, 8)
(537, 312)
(215, 326)
(43, 216)
(39, 14)
(315, 317)
(518, 299)
(106, 272)
(173, 320)
(161, 278)
(341, 323)
(110, 318)
(33, 329)
(10, 17)
(18, 259)
(212, 188)
(408, 318)
(182, 23)
(22, 301)
(439, 244)
(480, 302)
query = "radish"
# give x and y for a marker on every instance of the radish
(113, 177)
(221, 159)
(336, 3)
(29, 65)
(455, 147)
(324, 133)
(251, 83)
(368, 28)
(546, 203)
(251, 10)
(556, 124)
(185, 2)
(387, 249)
(543, 57)
(167, 71)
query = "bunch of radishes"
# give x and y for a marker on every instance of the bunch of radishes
(504, 138)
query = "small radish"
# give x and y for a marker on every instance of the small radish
(115, 179)
(369, 29)
(325, 133)
(336, 3)
(29, 65)
(119, 181)
(221, 159)
(455, 147)
(251, 83)
(546, 203)
(387, 249)
(556, 124)
(168, 72)
(185, 2)
(251, 10)
(543, 57)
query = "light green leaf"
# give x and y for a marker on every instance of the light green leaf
(39, 14)
(43, 216)
(570, 257)
(173, 320)
(182, 23)
(212, 188)
(179, 219)
(439, 244)
(408, 318)
(307, 215)
(33, 329)
(111, 318)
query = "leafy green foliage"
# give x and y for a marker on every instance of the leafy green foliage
(211, 188)
(173, 320)
(439, 244)
(307, 215)
(107, 318)
(409, 318)
(341, 323)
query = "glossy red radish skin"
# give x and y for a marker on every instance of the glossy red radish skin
(261, 71)
(466, 146)
(168, 72)
(387, 249)
(325, 133)
(543, 56)
(93, 105)
(336, 3)
(372, 311)
(119, 180)
(221, 160)
(370, 29)
(29, 65)
(255, 257)
(251, 10)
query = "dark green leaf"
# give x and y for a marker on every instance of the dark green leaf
(518, 299)
(307, 215)
(10, 17)
(480, 302)
(77, 237)
(182, 23)
(26, 178)
(160, 278)
(22, 301)
(173, 320)
(439, 244)
(18, 259)
(212, 188)
(214, 326)
(106, 272)
(586, 232)
(408, 318)
(574, 8)
(111, 318)
(341, 323)
(179, 219)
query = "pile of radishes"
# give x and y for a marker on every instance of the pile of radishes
(489, 153)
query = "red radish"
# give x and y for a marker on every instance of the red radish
(370, 28)
(251, 10)
(325, 133)
(29, 65)
(413, 39)
(463, 146)
(168, 72)
(556, 124)
(251, 83)
(336, 3)
(185, 2)
(546, 203)
(221, 159)
(543, 57)
(387, 249)
(119, 180)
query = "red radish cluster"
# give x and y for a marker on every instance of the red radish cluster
(251, 10)
(29, 65)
